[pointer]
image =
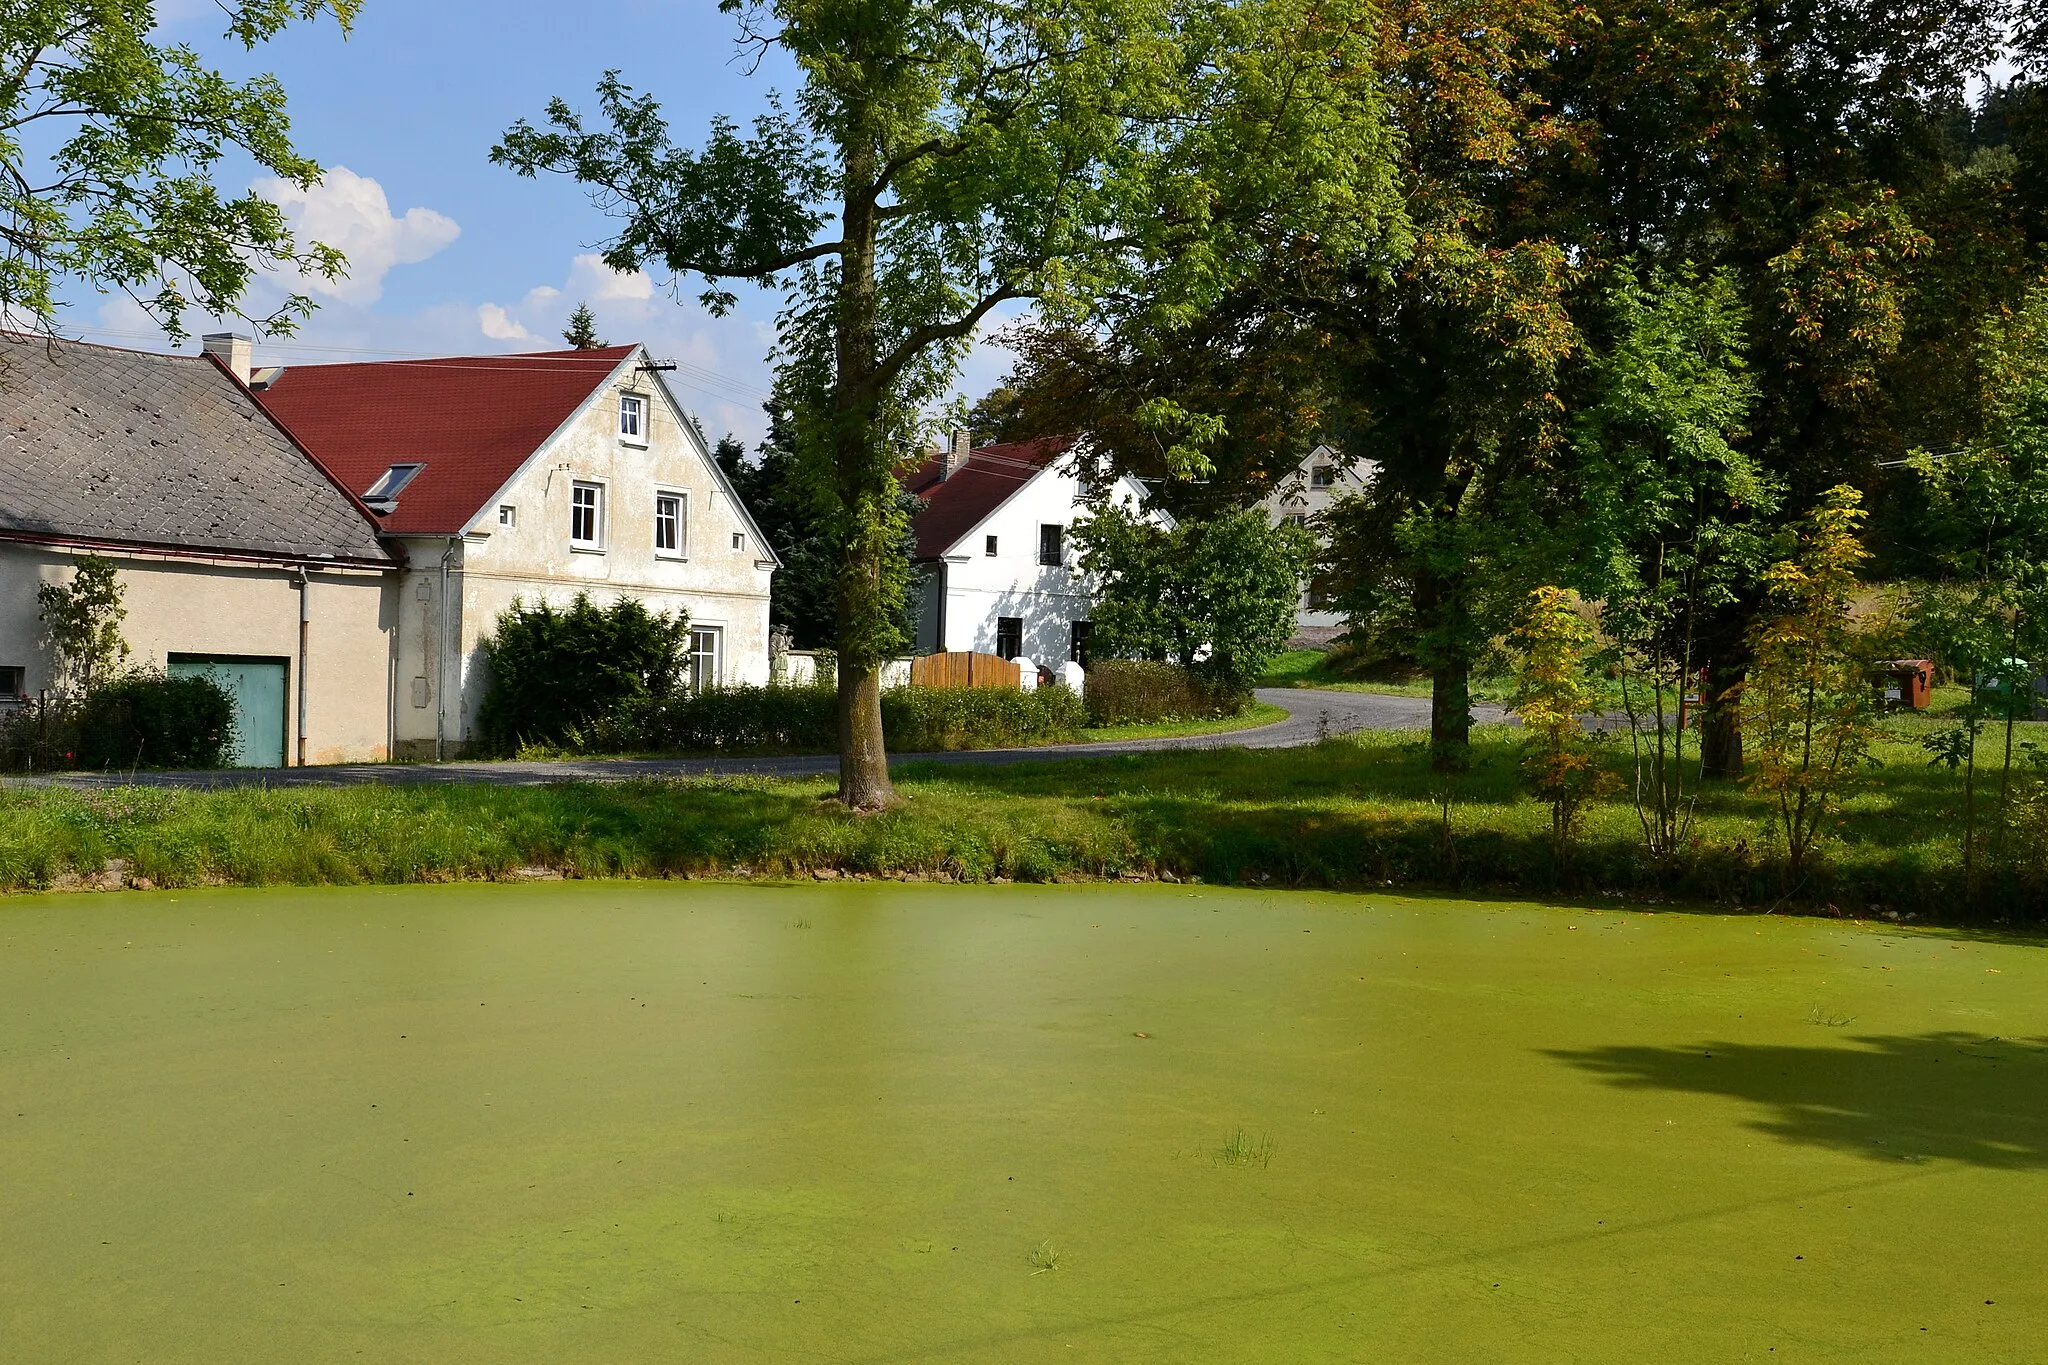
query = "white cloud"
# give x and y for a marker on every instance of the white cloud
(498, 325)
(351, 213)
(591, 279)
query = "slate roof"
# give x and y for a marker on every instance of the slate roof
(159, 451)
(955, 506)
(472, 421)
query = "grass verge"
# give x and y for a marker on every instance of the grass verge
(1257, 714)
(1358, 811)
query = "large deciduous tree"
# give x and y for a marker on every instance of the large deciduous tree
(110, 144)
(944, 158)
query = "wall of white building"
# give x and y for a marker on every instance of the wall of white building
(718, 575)
(1307, 494)
(965, 595)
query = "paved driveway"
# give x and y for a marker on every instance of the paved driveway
(1311, 715)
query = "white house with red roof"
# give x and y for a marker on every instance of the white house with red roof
(533, 477)
(998, 568)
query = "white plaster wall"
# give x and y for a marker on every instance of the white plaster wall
(1296, 495)
(185, 606)
(713, 582)
(980, 587)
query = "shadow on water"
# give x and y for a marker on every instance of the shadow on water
(1953, 1096)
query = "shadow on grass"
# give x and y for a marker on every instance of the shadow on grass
(1952, 1096)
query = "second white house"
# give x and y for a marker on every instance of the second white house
(999, 573)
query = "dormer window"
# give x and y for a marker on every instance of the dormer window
(633, 418)
(383, 494)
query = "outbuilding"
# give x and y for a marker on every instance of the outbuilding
(236, 554)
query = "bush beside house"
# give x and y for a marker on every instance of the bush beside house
(1145, 692)
(557, 674)
(147, 720)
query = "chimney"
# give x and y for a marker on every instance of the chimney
(955, 455)
(233, 350)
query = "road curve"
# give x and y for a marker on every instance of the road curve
(1311, 715)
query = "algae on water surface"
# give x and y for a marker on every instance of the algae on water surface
(601, 1122)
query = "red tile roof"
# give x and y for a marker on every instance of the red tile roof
(471, 420)
(953, 507)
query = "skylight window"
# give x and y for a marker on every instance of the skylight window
(383, 494)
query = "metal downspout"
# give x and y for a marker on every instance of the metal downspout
(305, 628)
(441, 659)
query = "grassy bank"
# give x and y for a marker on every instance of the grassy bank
(1356, 811)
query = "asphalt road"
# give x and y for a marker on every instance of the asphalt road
(1311, 715)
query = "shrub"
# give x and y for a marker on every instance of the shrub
(554, 673)
(1142, 692)
(806, 719)
(723, 718)
(147, 720)
(1552, 691)
(39, 737)
(929, 718)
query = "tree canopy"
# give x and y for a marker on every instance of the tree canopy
(945, 158)
(110, 144)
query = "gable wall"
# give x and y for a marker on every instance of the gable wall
(1296, 495)
(533, 560)
(980, 588)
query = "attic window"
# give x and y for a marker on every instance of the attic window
(383, 494)
(632, 417)
(739, 540)
(1323, 476)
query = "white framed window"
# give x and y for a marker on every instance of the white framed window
(671, 525)
(1296, 519)
(633, 418)
(508, 515)
(707, 644)
(739, 540)
(1322, 476)
(586, 516)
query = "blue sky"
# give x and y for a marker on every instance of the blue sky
(452, 255)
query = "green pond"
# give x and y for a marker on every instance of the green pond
(613, 1122)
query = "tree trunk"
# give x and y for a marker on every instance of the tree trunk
(1439, 610)
(1721, 723)
(863, 761)
(864, 476)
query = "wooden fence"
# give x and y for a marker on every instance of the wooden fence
(964, 669)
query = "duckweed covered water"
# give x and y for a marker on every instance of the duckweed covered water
(637, 1122)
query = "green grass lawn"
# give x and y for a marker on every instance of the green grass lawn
(1358, 810)
(1253, 716)
(1106, 1125)
(1308, 668)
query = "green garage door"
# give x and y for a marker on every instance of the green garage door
(259, 689)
